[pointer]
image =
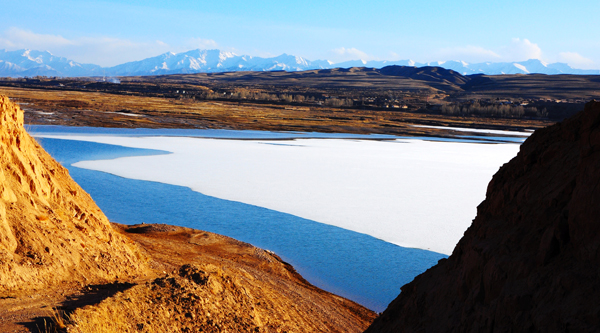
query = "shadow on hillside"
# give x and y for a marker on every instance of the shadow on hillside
(88, 295)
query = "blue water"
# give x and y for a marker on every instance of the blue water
(199, 133)
(497, 139)
(252, 135)
(357, 266)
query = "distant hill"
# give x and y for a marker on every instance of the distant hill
(30, 63)
(427, 73)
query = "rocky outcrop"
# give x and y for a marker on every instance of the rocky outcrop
(51, 231)
(531, 259)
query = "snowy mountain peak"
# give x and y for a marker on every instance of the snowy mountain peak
(31, 57)
(521, 67)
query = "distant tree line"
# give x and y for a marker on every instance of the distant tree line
(494, 110)
(244, 94)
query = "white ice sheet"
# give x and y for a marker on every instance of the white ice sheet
(474, 130)
(413, 193)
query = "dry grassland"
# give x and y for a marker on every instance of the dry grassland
(76, 108)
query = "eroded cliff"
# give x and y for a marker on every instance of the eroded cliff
(51, 231)
(531, 259)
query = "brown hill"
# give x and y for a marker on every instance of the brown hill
(50, 229)
(530, 261)
(356, 78)
(427, 73)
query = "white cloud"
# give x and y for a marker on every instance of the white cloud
(520, 50)
(517, 50)
(18, 38)
(104, 51)
(257, 53)
(344, 54)
(107, 51)
(201, 43)
(576, 60)
(468, 53)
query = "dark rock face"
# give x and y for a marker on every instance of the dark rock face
(531, 259)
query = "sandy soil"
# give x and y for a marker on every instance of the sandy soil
(278, 292)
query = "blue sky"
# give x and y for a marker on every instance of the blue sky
(112, 32)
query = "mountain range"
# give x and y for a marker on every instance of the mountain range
(28, 63)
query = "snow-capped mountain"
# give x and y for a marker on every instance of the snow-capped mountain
(530, 66)
(170, 63)
(32, 63)
(208, 61)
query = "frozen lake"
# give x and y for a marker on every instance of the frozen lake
(410, 192)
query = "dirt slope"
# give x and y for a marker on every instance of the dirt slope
(530, 262)
(50, 229)
(214, 283)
